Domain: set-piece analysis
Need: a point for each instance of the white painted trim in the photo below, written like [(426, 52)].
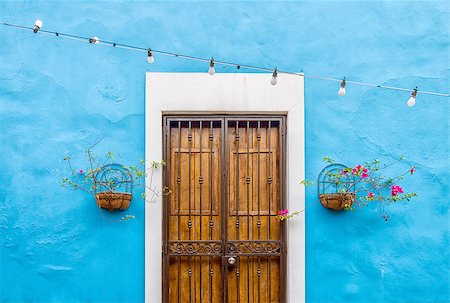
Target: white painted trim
[(227, 93)]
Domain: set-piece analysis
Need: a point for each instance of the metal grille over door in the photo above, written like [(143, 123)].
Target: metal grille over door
[(221, 241)]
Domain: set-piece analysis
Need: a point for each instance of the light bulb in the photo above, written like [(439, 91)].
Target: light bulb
[(211, 69), (412, 100), (274, 79), (94, 40), (150, 57), (342, 90), (37, 25)]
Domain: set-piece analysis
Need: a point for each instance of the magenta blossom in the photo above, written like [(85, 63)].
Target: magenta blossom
[(364, 175), (81, 171), (395, 190), (370, 195), (283, 212), (412, 170)]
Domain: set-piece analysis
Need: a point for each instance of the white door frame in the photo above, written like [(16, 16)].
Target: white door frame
[(227, 93)]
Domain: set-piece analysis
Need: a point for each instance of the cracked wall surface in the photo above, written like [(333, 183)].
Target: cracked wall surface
[(58, 97)]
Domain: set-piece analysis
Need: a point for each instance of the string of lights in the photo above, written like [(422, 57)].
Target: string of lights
[(37, 28)]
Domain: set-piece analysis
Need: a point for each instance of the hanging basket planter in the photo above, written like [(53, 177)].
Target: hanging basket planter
[(336, 191), (114, 185), (113, 201), (337, 201)]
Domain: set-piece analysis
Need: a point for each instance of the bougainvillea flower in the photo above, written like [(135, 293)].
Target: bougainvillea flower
[(344, 172), (81, 171), (412, 170), (395, 190), (370, 195), (365, 170), (364, 175)]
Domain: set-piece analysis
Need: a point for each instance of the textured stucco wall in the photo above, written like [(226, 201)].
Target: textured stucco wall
[(58, 97)]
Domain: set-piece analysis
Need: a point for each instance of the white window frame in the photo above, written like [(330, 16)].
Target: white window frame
[(183, 92)]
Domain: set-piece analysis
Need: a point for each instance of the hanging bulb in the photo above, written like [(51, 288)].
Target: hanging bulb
[(342, 91), (412, 100), (274, 79), (211, 69), (94, 40), (37, 25), (150, 57)]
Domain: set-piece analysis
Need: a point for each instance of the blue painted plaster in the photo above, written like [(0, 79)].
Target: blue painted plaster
[(57, 97)]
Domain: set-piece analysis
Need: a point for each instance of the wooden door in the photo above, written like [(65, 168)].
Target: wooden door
[(226, 175)]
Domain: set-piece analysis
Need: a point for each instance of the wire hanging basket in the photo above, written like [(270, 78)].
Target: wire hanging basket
[(113, 187), (336, 191)]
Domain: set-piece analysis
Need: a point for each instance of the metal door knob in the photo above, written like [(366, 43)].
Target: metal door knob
[(231, 260)]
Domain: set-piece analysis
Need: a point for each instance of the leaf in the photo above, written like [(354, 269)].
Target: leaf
[(328, 160)]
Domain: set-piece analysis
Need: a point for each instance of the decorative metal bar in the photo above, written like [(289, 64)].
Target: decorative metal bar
[(200, 181), (166, 207), (179, 207), (189, 202), (269, 178), (282, 163), (238, 291), (189, 181), (248, 206), (195, 248), (211, 223), (269, 185), (237, 204), (258, 137), (255, 247), (258, 224), (237, 179), (258, 273)]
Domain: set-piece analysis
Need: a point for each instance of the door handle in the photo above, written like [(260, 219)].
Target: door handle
[(229, 261)]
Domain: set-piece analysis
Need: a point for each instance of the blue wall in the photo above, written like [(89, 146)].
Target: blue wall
[(57, 97)]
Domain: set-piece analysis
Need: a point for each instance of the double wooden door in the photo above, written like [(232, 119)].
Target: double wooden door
[(222, 242)]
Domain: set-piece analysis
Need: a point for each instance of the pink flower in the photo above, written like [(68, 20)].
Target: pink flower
[(365, 170), (395, 190), (359, 167), (364, 175), (354, 171), (344, 172), (370, 195), (81, 171), (412, 170)]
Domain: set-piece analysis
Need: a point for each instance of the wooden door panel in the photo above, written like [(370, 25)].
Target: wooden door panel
[(254, 201), (194, 225), (225, 196), (248, 287), (191, 289)]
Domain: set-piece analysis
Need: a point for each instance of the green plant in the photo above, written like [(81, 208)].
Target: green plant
[(369, 184), (283, 214), (107, 176)]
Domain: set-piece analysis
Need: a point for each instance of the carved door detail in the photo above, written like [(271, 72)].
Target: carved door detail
[(221, 240)]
